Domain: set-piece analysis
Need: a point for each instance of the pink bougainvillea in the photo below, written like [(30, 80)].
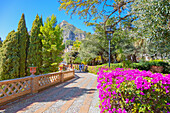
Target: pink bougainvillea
[(123, 90)]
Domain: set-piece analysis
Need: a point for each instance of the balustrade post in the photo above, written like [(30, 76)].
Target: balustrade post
[(61, 76), (34, 85), (73, 73)]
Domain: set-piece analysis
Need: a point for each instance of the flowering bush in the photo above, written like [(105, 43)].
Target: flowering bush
[(76, 66), (95, 69), (126, 91)]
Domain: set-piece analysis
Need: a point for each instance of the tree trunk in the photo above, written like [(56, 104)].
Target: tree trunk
[(102, 59), (93, 62), (134, 58), (129, 57)]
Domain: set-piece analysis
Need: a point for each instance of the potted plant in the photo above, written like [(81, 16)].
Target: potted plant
[(32, 70), (60, 67), (157, 66)]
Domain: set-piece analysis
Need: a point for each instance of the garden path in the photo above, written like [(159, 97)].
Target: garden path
[(78, 95)]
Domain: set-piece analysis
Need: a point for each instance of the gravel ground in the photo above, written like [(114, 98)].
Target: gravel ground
[(59, 95)]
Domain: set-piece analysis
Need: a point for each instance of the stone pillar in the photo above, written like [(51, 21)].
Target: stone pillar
[(61, 76), (34, 84)]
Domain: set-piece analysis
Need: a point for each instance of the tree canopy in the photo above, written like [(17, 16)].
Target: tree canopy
[(95, 11), (9, 59), (153, 25), (52, 44), (23, 45), (35, 45)]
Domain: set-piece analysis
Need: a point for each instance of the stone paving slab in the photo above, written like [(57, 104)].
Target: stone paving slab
[(78, 95)]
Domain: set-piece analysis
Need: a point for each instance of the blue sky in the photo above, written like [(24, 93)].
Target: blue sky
[(11, 11)]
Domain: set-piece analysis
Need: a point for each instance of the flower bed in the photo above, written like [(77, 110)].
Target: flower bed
[(95, 69), (126, 91)]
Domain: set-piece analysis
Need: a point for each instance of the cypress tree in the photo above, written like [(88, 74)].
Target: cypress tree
[(41, 21), (35, 45), (23, 42), (9, 60)]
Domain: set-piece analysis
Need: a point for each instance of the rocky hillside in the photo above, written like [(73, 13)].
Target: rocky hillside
[(70, 32)]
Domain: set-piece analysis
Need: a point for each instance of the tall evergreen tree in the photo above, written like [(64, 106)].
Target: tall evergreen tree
[(41, 21), (9, 60), (52, 44), (35, 45), (23, 42)]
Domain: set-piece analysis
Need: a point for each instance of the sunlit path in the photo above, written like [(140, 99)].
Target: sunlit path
[(78, 95)]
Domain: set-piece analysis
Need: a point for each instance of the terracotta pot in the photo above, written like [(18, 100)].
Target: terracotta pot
[(32, 70), (157, 69), (69, 66), (60, 68)]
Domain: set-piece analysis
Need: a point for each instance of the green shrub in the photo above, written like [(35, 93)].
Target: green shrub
[(147, 65)]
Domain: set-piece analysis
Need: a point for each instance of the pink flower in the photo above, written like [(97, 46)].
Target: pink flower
[(127, 100), (142, 93), (133, 99), (113, 92), (124, 111), (143, 80), (110, 111), (114, 109), (118, 86)]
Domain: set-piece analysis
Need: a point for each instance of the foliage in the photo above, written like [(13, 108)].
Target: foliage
[(141, 66), (0, 42), (52, 45), (77, 60), (133, 91), (35, 46), (100, 43), (124, 45), (95, 69), (76, 45), (147, 65), (9, 60), (67, 57), (23, 42), (88, 49), (69, 42), (153, 25), (96, 11), (76, 66)]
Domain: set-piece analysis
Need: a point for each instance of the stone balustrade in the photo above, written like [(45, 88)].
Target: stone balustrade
[(13, 88)]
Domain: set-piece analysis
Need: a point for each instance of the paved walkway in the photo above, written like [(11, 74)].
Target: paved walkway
[(78, 95)]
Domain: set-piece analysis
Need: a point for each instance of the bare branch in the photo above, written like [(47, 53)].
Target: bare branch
[(122, 4), (121, 20)]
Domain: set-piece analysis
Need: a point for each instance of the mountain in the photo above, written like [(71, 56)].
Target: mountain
[(70, 32)]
